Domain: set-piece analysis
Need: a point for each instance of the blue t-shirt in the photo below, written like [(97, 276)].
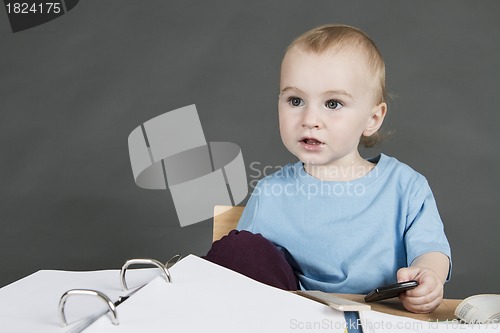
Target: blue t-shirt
[(351, 236)]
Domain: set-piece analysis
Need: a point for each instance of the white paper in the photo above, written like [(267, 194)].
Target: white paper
[(480, 309), (31, 304), (204, 297)]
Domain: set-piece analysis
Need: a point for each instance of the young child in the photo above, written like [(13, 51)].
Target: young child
[(344, 223)]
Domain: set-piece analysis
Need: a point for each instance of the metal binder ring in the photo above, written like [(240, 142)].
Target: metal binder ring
[(69, 293), (172, 261), (142, 262)]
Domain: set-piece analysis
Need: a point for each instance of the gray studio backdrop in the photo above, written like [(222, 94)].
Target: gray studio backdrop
[(73, 89)]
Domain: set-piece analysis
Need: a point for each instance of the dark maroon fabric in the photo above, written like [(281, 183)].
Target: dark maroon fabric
[(254, 256)]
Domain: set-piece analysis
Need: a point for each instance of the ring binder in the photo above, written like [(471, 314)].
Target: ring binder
[(72, 292), (112, 305), (143, 262)]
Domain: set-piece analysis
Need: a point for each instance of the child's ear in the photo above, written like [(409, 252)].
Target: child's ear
[(377, 118)]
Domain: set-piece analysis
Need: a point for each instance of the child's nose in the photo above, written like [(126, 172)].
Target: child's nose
[(311, 118)]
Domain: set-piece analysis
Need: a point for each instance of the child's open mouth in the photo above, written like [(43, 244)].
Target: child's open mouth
[(311, 141), (311, 144)]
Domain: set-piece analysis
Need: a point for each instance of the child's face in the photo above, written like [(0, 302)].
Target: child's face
[(327, 101)]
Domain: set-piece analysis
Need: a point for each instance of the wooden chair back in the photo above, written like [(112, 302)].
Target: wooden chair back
[(225, 219)]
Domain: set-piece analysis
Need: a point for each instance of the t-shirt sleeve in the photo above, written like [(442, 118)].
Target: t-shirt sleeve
[(424, 231)]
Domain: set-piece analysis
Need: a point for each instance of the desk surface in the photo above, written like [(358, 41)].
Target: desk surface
[(393, 306)]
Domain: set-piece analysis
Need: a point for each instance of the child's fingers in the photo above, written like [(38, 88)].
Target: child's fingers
[(407, 273), (422, 304), (424, 293), (425, 287), (427, 284), (427, 296)]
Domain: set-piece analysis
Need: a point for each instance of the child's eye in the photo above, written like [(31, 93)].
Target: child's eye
[(333, 104), (295, 101)]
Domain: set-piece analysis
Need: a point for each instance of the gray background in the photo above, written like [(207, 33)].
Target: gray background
[(74, 88)]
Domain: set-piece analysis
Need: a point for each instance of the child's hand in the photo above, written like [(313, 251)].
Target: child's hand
[(427, 296)]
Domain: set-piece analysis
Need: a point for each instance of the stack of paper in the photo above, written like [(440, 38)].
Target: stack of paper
[(207, 297), (201, 297)]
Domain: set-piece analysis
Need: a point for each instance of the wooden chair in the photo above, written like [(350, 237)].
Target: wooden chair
[(225, 219)]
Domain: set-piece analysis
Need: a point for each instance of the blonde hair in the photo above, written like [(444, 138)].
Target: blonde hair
[(326, 37)]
